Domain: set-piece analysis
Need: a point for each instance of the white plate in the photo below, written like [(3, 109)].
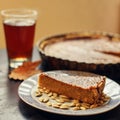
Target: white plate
[(27, 89)]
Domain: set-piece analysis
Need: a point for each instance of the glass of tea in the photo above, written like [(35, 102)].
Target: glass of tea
[(19, 27)]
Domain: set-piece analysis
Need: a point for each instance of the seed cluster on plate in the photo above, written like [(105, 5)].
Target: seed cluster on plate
[(55, 100)]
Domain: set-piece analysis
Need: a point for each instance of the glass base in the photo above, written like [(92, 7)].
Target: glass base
[(14, 63)]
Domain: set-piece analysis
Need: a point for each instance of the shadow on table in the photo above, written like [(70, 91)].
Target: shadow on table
[(34, 114)]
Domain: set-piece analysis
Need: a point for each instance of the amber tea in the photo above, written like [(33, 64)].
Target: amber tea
[(19, 38), (19, 28)]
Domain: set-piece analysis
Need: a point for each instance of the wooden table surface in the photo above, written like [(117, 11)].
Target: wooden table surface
[(13, 108)]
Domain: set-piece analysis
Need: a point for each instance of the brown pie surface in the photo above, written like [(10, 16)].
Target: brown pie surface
[(85, 50)]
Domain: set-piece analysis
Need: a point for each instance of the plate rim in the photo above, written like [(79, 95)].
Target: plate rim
[(55, 111)]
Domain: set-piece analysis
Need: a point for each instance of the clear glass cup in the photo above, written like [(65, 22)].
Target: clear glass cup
[(19, 27)]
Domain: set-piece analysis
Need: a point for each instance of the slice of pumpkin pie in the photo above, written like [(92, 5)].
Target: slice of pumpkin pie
[(83, 86)]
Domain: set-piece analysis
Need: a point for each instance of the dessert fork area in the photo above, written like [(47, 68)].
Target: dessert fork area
[(14, 108)]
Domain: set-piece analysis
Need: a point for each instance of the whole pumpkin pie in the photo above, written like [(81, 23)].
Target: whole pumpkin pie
[(86, 51)]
